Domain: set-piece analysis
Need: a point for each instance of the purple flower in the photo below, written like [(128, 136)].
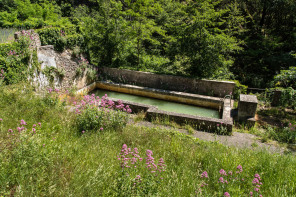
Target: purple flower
[(34, 125), (101, 128), (226, 194), (255, 181), (251, 193), (221, 180), (222, 172), (1, 119), (83, 132), (23, 122), (10, 130), (256, 189), (240, 168), (204, 175), (39, 123), (257, 176)]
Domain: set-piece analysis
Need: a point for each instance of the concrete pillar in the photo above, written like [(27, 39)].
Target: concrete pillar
[(247, 107), (276, 98)]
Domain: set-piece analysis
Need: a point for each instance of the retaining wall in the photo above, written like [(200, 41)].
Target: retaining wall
[(169, 82)]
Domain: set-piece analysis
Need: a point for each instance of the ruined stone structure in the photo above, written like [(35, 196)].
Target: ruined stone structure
[(64, 62), (247, 107)]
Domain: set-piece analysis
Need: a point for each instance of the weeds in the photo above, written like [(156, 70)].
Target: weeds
[(55, 161)]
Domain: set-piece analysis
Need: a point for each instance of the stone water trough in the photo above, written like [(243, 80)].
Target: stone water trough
[(152, 112), (149, 84)]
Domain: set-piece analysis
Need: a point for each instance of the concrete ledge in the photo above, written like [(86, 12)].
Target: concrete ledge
[(180, 97), (219, 126), (87, 89)]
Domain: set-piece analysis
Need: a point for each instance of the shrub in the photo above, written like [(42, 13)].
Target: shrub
[(239, 89), (288, 98), (94, 114), (61, 38), (91, 74), (76, 52), (14, 60), (286, 78), (286, 134)]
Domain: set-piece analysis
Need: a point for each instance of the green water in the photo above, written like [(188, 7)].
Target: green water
[(161, 104)]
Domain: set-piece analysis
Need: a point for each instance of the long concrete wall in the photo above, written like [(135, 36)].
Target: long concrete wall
[(168, 82)]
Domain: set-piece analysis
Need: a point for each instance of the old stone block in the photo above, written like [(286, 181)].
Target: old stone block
[(247, 106)]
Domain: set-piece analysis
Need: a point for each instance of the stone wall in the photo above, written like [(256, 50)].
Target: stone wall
[(168, 82), (62, 61), (47, 56)]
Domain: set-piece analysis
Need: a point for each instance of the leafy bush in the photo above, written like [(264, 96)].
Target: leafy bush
[(288, 98), (94, 114), (286, 134), (91, 74), (61, 38), (28, 14), (14, 60), (286, 78), (239, 89)]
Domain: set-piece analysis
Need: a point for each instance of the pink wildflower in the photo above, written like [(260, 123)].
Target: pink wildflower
[(226, 194), (240, 168), (256, 189), (221, 180), (222, 172), (204, 175), (255, 181)]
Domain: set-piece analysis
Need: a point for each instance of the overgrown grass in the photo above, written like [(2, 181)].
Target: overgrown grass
[(7, 34), (56, 161)]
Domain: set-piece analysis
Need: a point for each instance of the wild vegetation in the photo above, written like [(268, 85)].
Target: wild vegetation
[(43, 154), (52, 146), (250, 41)]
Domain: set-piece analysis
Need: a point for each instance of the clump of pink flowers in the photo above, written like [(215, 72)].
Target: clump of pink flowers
[(226, 179), (257, 184), (130, 159), (102, 104)]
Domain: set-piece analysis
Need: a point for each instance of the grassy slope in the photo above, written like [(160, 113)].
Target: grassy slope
[(57, 161)]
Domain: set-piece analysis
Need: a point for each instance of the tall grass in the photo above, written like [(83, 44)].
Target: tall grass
[(56, 161), (7, 34)]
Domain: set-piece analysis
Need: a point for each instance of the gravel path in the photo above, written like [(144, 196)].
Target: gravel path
[(239, 140)]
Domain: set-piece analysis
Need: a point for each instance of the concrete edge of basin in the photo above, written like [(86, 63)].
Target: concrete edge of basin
[(181, 97), (220, 126)]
